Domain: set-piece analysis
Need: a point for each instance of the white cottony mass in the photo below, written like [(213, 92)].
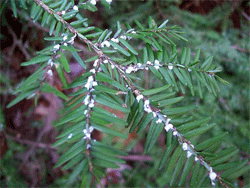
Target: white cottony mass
[(159, 121), (129, 69), (139, 97), (168, 126), (147, 106), (93, 2), (75, 8), (212, 176), (184, 146), (170, 67), (89, 83), (86, 100), (65, 37), (57, 46), (105, 61), (115, 40), (157, 64), (50, 72), (105, 43)]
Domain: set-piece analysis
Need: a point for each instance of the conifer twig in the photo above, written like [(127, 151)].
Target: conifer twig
[(147, 106)]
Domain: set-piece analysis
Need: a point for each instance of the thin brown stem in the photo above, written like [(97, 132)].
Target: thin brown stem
[(28, 142), (136, 158)]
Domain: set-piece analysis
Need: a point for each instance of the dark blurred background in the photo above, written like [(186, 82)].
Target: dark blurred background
[(220, 28)]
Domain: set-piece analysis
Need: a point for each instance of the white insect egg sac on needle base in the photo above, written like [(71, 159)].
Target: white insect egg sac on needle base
[(184, 146), (89, 83), (212, 176), (139, 97), (91, 129), (85, 112), (94, 83), (175, 133), (65, 37), (157, 64), (56, 47), (105, 43), (170, 67), (105, 61), (71, 41), (196, 158), (159, 121), (75, 8), (92, 103), (87, 134), (50, 73), (147, 107), (92, 70), (88, 146), (95, 63), (86, 100), (115, 40), (50, 62), (129, 69), (93, 2), (168, 126), (123, 37)]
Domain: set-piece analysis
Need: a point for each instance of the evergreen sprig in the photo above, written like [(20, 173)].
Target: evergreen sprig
[(109, 82)]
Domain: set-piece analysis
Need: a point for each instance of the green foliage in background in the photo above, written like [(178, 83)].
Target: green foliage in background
[(186, 100)]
